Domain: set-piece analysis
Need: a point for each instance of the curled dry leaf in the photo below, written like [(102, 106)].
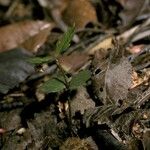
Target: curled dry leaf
[(137, 80), (17, 33), (80, 13)]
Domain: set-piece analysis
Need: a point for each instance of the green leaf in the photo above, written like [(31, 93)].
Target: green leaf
[(64, 42), (40, 60), (80, 79), (52, 85), (60, 77)]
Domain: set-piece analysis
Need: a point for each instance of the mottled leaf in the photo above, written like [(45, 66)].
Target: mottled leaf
[(80, 79)]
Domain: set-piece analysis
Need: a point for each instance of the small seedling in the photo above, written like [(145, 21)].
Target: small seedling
[(61, 82)]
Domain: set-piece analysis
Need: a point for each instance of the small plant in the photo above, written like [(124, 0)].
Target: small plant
[(61, 82)]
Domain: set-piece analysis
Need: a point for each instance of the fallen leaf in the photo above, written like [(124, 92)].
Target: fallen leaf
[(14, 68), (100, 44), (33, 43), (73, 62), (17, 33), (79, 13), (118, 80)]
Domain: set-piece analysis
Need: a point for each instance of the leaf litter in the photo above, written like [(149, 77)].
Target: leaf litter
[(92, 84)]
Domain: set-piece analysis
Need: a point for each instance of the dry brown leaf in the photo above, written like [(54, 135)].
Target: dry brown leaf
[(80, 13), (36, 41), (100, 44), (17, 33), (73, 62)]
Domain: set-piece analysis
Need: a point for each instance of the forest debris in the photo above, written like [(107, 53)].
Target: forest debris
[(80, 13), (17, 33), (100, 44), (55, 9), (33, 43), (5, 2), (145, 139), (118, 123), (12, 121), (45, 130), (14, 68), (21, 131), (24, 141), (127, 34), (140, 80), (111, 80), (137, 130), (136, 49), (2, 130), (135, 33), (131, 9), (54, 4), (18, 10), (81, 102), (73, 62), (118, 80), (104, 135), (75, 143)]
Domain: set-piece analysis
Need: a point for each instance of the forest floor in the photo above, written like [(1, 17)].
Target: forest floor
[(75, 75)]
